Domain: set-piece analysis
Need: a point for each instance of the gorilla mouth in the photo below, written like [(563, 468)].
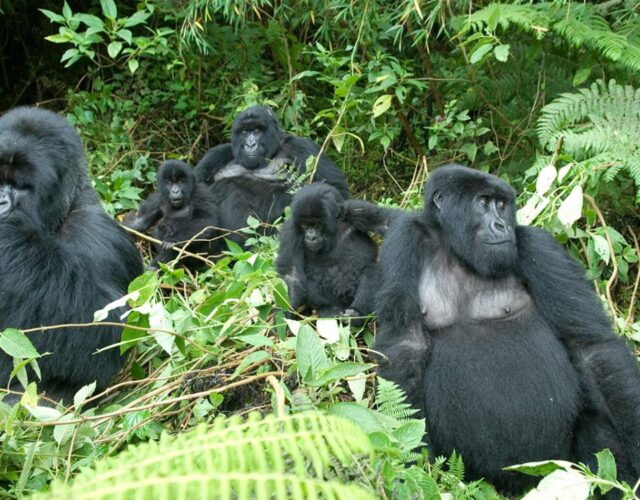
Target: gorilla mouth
[(499, 242), (176, 202), (313, 246)]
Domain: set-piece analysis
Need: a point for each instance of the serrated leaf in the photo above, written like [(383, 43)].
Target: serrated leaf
[(382, 104), (601, 247), (114, 49), (337, 372), (109, 9), (66, 11), (571, 208), (62, 433), (581, 76), (133, 65), (545, 179), (480, 52), (84, 393), (310, 352), (565, 484), (606, 465), (470, 149), (56, 18), (17, 345), (502, 52), (44, 413), (328, 329)]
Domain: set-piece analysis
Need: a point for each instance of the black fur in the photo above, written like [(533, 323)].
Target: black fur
[(327, 264), (61, 257), (260, 185), (187, 210), (504, 347)]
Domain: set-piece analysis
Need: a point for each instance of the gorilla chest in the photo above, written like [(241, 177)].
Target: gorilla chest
[(450, 294)]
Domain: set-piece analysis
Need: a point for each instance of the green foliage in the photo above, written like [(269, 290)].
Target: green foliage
[(599, 127), (294, 457), (390, 90), (564, 479)]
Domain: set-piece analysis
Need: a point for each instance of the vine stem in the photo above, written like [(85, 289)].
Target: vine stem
[(614, 275)]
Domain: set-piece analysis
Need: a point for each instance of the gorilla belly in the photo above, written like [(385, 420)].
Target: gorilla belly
[(500, 392)]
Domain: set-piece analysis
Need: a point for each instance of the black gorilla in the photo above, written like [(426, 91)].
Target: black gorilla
[(498, 338), (255, 173), (327, 264), (188, 211), (61, 257)]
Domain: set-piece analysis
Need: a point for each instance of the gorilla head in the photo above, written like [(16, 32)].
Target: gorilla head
[(176, 182), (476, 214), (316, 210), (42, 167), (256, 135)]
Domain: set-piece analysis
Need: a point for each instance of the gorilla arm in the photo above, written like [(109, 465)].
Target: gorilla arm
[(299, 149), (147, 215), (290, 264), (212, 162), (570, 306), (401, 338), (367, 217)]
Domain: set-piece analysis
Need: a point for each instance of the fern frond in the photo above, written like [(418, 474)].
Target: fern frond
[(581, 25), (391, 401), (270, 458), (599, 126), (526, 17)]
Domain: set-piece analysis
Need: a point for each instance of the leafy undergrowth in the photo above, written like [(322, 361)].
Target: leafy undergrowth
[(204, 351)]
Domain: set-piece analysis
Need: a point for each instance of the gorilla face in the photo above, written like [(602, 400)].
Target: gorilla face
[(477, 216), (317, 209), (176, 182), (42, 167), (256, 136)]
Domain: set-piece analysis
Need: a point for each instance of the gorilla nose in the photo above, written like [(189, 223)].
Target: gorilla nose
[(497, 227)]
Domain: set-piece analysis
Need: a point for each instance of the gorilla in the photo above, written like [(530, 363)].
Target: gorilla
[(327, 264), (497, 337), (188, 210), (61, 257), (255, 173)]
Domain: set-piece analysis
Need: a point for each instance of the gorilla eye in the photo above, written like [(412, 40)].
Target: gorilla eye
[(483, 201), (501, 204)]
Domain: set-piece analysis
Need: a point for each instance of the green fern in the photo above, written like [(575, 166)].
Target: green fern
[(391, 401), (581, 25), (255, 459), (599, 126)]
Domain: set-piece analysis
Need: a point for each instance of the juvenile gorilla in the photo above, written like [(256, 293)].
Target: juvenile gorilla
[(61, 257), (255, 173), (187, 210), (495, 334), (327, 264)]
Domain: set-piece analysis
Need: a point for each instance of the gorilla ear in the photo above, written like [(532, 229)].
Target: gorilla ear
[(437, 199)]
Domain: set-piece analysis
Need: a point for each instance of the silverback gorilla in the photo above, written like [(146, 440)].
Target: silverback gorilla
[(495, 334), (61, 257), (328, 265), (255, 173)]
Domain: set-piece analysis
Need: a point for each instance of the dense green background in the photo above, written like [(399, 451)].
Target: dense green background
[(543, 94)]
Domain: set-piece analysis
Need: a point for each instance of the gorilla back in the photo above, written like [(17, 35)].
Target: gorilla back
[(61, 257)]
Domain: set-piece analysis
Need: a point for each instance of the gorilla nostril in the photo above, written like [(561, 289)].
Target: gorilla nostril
[(498, 227)]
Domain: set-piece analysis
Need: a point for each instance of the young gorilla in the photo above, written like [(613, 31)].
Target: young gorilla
[(187, 210), (495, 334), (61, 257), (327, 264)]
